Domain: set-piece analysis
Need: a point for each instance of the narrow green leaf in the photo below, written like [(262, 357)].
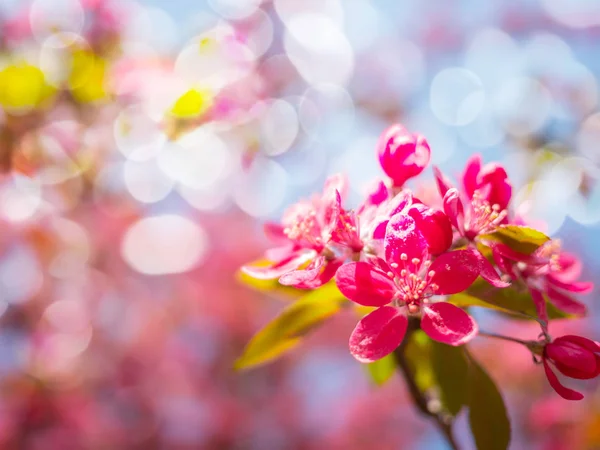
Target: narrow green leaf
[(287, 329), (520, 239), (381, 370), (487, 414), (451, 372), (515, 298)]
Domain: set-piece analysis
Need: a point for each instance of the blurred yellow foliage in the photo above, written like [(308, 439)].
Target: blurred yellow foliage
[(192, 104), (87, 80), (23, 87)]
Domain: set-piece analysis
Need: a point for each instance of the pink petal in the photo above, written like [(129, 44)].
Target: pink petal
[(454, 271), (274, 231), (509, 253), (435, 227), (579, 340), (323, 277), (378, 194), (447, 323), (330, 213), (378, 334), (364, 284), (488, 271), (580, 287), (453, 207), (280, 253), (564, 392), (442, 182), (337, 182), (574, 373), (280, 267), (565, 303), (540, 304), (299, 276), (403, 238), (399, 202), (570, 267), (503, 263), (472, 169), (572, 356), (494, 180)]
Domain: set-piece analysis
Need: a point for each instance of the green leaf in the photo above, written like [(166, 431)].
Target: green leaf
[(272, 287), (487, 414), (418, 356), (382, 370), (451, 372), (515, 298), (520, 239), (287, 329)]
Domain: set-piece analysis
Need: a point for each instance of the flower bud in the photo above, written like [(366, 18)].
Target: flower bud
[(574, 356), (491, 181), (402, 155)]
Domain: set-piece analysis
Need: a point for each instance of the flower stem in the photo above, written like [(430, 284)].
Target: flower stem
[(500, 336), (420, 400)]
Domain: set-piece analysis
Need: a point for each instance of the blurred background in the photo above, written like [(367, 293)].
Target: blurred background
[(142, 146)]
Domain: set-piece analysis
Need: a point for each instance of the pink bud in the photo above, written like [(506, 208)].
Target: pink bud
[(402, 155), (491, 181), (574, 356)]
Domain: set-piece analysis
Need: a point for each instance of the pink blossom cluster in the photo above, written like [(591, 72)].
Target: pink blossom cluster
[(405, 258)]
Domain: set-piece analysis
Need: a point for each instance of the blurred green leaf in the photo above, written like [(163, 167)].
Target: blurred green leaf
[(269, 286), (382, 370), (451, 372), (285, 331), (418, 356), (487, 414), (515, 298), (520, 239)]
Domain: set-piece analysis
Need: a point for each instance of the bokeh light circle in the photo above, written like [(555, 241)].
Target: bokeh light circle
[(456, 96), (164, 244)]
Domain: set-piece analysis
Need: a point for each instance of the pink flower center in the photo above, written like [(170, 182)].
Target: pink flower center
[(302, 226), (551, 251), (413, 283), (484, 217)]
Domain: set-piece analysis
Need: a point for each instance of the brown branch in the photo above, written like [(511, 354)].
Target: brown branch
[(442, 421)]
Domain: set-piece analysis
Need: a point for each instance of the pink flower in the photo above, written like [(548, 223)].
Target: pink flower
[(404, 284), (486, 195), (547, 272), (316, 231), (402, 155), (573, 356), (379, 207)]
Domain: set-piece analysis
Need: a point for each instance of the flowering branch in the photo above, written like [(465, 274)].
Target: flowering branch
[(418, 264), (505, 338)]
